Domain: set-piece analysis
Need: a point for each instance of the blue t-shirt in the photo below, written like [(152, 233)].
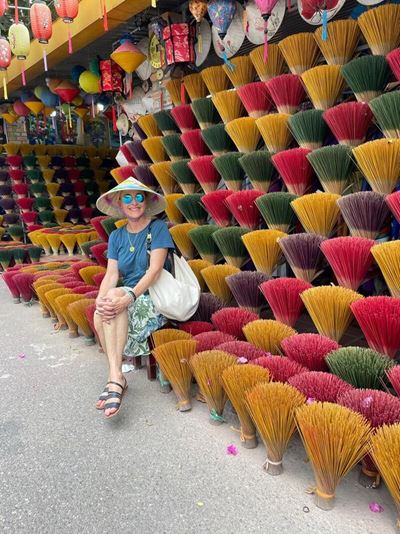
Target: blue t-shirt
[(133, 265)]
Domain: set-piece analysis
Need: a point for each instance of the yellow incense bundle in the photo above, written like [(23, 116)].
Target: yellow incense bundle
[(215, 276), (264, 250), (387, 256), (197, 266), (275, 131), (244, 133), (300, 51), (317, 212), (165, 177), (155, 149), (380, 28), (228, 105), (271, 68), (195, 86), (324, 85), (243, 71), (180, 235), (149, 125), (267, 334), (342, 43)]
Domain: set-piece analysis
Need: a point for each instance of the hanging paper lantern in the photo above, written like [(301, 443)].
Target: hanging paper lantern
[(111, 76), (39, 90), (26, 95), (89, 82), (198, 8), (128, 56), (20, 109), (41, 23), (77, 101), (49, 99), (5, 54), (20, 42), (66, 91), (3, 7), (266, 7), (221, 13), (10, 119), (47, 111), (81, 112), (310, 7), (76, 72), (53, 83), (34, 105), (67, 9)]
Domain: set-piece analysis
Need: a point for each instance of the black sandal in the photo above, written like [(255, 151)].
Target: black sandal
[(115, 395), (103, 397)]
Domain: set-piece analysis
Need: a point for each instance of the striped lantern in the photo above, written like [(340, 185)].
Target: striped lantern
[(41, 23)]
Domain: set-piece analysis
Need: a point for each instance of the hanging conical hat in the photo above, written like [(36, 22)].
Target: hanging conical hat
[(128, 57)]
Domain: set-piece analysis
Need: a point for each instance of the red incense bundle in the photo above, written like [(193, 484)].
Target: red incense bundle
[(99, 252), (196, 327), (287, 92), (232, 320), (309, 350), (243, 207), (319, 386), (283, 296), (184, 118), (393, 201), (194, 144), (393, 58), (281, 368), (243, 350), (394, 377), (96, 223), (205, 172), (209, 340), (256, 99), (295, 169), (214, 203), (349, 122)]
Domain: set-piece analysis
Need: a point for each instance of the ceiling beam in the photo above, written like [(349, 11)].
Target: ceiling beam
[(86, 28)]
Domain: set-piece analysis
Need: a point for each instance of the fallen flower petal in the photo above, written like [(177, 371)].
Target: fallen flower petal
[(375, 507), (231, 450)]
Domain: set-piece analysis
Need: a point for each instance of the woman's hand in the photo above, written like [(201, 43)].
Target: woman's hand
[(112, 308)]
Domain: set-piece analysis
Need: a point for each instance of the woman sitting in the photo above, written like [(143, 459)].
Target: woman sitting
[(125, 316)]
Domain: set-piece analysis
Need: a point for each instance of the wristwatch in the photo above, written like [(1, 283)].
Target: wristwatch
[(132, 294)]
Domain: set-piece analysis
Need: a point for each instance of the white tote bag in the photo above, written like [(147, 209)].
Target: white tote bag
[(176, 297)]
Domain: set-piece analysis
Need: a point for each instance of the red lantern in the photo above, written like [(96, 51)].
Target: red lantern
[(66, 91), (67, 9), (41, 23), (111, 76), (20, 109), (3, 7)]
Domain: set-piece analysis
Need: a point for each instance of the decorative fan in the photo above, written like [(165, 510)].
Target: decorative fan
[(317, 12), (123, 124), (254, 23), (370, 2), (234, 38), (144, 70), (203, 42)]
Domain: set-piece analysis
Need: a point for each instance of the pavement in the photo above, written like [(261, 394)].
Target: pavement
[(151, 470)]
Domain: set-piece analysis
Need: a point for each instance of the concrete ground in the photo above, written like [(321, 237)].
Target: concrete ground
[(65, 469)]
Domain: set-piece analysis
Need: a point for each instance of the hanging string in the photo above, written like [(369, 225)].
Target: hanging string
[(69, 41), (69, 116), (266, 17), (23, 73), (324, 25), (45, 60), (105, 16), (289, 5), (153, 3), (114, 118), (16, 16), (93, 110), (5, 87)]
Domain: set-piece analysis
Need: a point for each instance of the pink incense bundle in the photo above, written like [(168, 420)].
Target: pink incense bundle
[(281, 368), (243, 207), (196, 327), (283, 296), (98, 278), (80, 265), (379, 319), (232, 320), (243, 350), (350, 259), (17, 176), (309, 350), (87, 214), (320, 386), (394, 377), (215, 204), (349, 122), (256, 99), (70, 285), (99, 252), (205, 172), (83, 289), (25, 204), (194, 144), (393, 201), (184, 118), (209, 340), (287, 92), (29, 217), (21, 190), (24, 282), (295, 169), (8, 277), (393, 58), (96, 223)]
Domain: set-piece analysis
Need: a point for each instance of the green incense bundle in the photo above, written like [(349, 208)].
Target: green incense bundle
[(259, 169), (276, 210), (165, 122), (360, 367), (39, 190), (386, 109), (19, 255), (202, 240), (34, 176), (42, 203), (231, 171), (46, 216), (109, 224), (367, 76), (16, 231), (29, 161), (192, 209), (229, 241), (6, 256), (184, 176), (205, 112), (34, 253), (174, 147), (333, 166), (309, 128), (217, 140), (85, 247)]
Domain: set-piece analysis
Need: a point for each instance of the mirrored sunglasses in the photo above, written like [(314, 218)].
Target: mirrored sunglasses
[(127, 198)]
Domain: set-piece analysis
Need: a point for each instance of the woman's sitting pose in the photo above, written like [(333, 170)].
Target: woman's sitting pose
[(125, 316)]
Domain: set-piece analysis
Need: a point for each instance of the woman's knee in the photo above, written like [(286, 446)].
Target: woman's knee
[(115, 292)]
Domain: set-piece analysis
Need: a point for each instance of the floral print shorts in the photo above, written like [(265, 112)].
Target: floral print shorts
[(143, 320)]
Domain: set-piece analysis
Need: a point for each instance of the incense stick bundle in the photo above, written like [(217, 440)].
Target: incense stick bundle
[(346, 436), (318, 212), (309, 350), (275, 131), (148, 124), (386, 109), (287, 92), (259, 169), (365, 213), (205, 112), (232, 320), (295, 170), (243, 71), (214, 203), (155, 149), (230, 170), (245, 289), (165, 122), (205, 172), (300, 52), (182, 173), (393, 58), (180, 235), (393, 201), (283, 296), (229, 105), (271, 68), (277, 211), (244, 133), (343, 39), (203, 241), (164, 176), (195, 86), (333, 166), (242, 206), (309, 128), (184, 118), (387, 256), (77, 312), (319, 386), (215, 278), (256, 99), (197, 266), (281, 368), (329, 309), (380, 28), (303, 254), (379, 161), (173, 213), (192, 209), (174, 89), (324, 85), (218, 140), (174, 147), (237, 380), (229, 242), (367, 76), (267, 334), (264, 250), (272, 408), (216, 79), (194, 143)]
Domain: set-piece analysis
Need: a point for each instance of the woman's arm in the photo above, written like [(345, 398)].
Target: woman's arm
[(157, 261), (111, 278)]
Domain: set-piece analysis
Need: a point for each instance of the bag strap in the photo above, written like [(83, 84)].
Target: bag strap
[(170, 254)]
